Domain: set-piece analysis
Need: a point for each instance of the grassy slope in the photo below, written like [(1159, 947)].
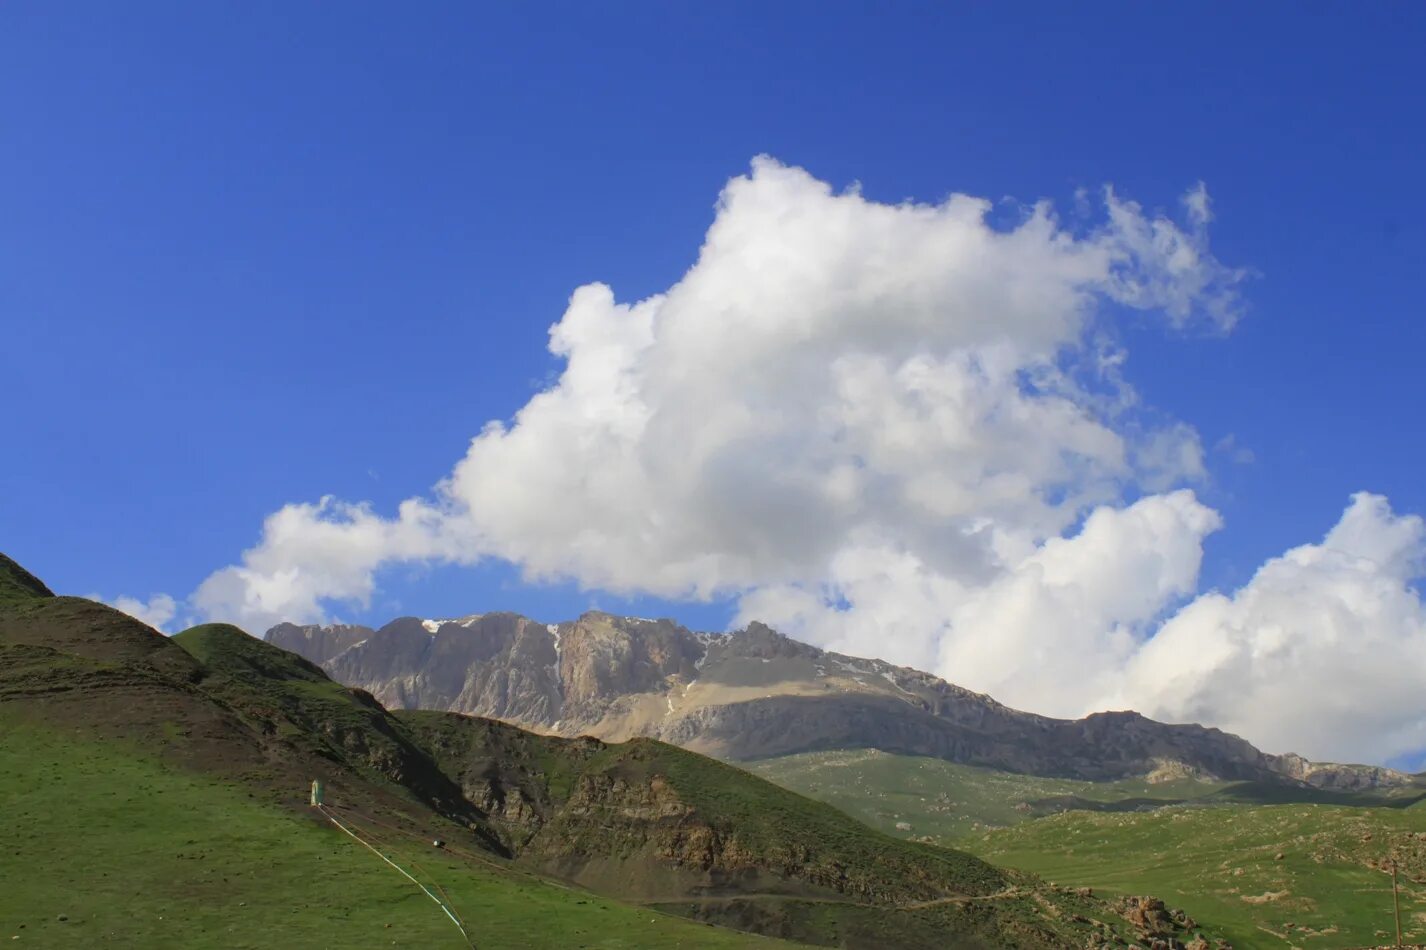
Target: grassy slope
[(941, 800), (143, 793), (1216, 859), (18, 584), (138, 853), (281, 691), (1221, 864)]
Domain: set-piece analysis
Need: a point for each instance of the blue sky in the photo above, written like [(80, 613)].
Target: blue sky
[(257, 254)]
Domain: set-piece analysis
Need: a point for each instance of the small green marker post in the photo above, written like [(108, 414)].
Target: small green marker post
[(316, 792)]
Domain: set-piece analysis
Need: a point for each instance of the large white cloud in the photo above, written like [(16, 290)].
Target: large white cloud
[(830, 367), (833, 368), (1322, 652), (894, 429)]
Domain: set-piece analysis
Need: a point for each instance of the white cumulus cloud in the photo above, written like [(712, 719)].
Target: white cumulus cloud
[(158, 611), (1322, 652), (311, 554), (893, 429), (835, 373), (832, 372)]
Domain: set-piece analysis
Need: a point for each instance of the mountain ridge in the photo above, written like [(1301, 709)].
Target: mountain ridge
[(755, 693)]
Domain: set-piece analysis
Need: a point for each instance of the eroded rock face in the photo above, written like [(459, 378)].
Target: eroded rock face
[(499, 665), (315, 642), (514, 811), (604, 659), (755, 693), (1342, 777)]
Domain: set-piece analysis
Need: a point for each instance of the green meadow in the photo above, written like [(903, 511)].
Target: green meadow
[(941, 800), (106, 846), (1267, 871), (1266, 875)]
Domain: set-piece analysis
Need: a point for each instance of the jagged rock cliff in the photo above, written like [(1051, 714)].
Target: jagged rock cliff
[(755, 693), (317, 643)]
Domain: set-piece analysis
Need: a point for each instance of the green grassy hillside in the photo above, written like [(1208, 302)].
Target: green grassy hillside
[(944, 801), (281, 694), (1215, 855), (153, 794), (18, 584), (1270, 875), (133, 852)]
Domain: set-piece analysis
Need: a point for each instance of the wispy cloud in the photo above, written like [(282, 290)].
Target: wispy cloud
[(1230, 448)]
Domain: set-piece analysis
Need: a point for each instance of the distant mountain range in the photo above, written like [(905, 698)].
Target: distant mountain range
[(756, 694)]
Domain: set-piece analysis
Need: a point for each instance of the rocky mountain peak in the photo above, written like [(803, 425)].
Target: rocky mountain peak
[(318, 643), (760, 641)]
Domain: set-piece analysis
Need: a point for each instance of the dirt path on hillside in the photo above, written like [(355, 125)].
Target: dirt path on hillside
[(1006, 894), (706, 901)]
